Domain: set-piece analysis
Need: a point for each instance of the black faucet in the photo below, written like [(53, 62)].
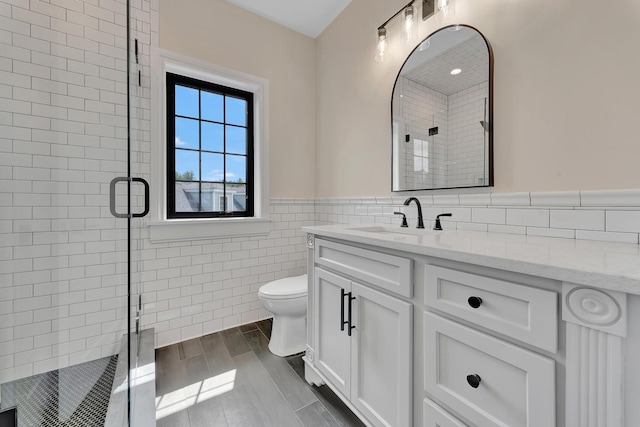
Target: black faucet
[(404, 219), (438, 226), (413, 199)]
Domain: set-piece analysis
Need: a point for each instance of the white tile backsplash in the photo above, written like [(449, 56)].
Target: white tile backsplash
[(510, 199), (610, 198), (555, 199), (577, 219), (475, 199), (624, 221), (563, 215), (489, 215), (531, 217)]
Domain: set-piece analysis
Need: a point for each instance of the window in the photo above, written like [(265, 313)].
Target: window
[(420, 156), (209, 149)]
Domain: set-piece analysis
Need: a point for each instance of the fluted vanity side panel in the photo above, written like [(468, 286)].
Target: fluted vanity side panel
[(596, 330), (594, 378)]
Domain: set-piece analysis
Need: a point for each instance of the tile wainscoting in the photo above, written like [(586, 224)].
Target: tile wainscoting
[(198, 287), (612, 216)]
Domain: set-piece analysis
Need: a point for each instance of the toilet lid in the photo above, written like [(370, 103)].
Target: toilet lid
[(289, 287)]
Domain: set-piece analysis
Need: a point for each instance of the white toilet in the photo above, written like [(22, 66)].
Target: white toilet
[(287, 300)]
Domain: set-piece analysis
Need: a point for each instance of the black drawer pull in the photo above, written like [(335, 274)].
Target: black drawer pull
[(474, 380), (475, 302)]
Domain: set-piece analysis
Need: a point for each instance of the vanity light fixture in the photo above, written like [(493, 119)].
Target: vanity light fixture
[(456, 71), (409, 31), (382, 48), (444, 9), (409, 27)]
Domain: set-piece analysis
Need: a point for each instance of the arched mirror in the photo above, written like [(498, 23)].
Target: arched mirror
[(441, 113)]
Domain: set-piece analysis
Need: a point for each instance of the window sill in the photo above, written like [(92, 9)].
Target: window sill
[(179, 230)]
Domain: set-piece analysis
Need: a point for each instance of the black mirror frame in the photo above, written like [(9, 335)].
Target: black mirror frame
[(491, 100)]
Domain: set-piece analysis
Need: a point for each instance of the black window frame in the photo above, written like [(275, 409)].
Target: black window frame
[(175, 79)]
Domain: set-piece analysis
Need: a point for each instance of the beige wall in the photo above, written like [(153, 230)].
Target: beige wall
[(567, 95), (222, 34)]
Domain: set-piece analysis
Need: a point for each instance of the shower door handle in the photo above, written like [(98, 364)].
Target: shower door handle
[(112, 197)]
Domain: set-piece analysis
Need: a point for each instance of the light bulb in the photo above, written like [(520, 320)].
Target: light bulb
[(446, 10), (409, 28), (382, 48)]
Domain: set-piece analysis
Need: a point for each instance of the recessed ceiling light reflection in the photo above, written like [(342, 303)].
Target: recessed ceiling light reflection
[(425, 44), (456, 71)]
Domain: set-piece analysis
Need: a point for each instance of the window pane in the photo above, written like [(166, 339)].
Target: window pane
[(187, 197), (187, 133), (236, 140), (212, 167), (187, 165), (236, 168), (212, 106), (186, 101), (212, 137), (236, 197), (236, 111), (212, 200)]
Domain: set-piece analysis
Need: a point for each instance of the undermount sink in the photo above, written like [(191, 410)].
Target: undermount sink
[(394, 230)]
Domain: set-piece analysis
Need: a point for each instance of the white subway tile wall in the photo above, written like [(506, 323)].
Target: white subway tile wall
[(563, 215), (199, 287), (63, 124)]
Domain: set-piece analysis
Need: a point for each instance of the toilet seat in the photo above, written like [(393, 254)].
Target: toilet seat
[(287, 288)]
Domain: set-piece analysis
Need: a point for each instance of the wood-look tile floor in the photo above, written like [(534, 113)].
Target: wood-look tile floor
[(230, 378)]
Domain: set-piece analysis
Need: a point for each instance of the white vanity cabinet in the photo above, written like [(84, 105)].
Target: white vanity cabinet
[(485, 378), (363, 335), (447, 336)]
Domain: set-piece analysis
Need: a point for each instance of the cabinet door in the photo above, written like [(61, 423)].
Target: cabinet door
[(381, 362), (332, 345)]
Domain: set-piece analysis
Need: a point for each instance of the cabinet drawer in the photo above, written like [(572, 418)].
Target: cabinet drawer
[(434, 416), (522, 312), (385, 271), (515, 387)]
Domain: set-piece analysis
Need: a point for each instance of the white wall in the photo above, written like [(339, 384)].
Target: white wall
[(565, 95)]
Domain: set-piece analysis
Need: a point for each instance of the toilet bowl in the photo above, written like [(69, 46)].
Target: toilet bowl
[(287, 300)]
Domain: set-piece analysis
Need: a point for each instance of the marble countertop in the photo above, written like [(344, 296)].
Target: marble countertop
[(604, 265)]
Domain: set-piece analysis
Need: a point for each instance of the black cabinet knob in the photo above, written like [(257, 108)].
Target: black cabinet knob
[(473, 380), (475, 302)]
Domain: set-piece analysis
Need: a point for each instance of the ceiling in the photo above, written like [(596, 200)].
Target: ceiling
[(309, 17), (464, 49)]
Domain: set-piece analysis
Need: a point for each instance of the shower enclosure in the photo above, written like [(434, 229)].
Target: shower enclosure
[(74, 156), (446, 149)]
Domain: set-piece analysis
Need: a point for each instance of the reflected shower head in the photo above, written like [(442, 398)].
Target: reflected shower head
[(485, 125)]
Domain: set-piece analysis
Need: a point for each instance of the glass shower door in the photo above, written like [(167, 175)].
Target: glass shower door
[(73, 117)]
